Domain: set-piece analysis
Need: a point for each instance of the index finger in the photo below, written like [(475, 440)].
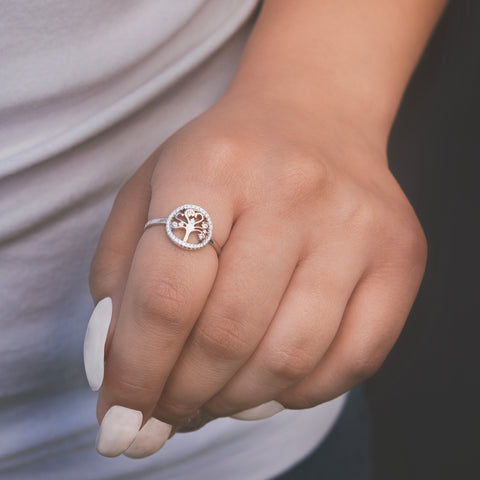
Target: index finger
[(166, 290)]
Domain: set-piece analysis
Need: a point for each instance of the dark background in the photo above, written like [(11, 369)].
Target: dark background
[(425, 400)]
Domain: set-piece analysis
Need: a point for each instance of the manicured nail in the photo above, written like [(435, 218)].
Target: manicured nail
[(149, 439), (118, 430), (94, 344), (262, 411)]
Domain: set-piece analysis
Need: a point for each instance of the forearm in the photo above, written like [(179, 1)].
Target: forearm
[(345, 60)]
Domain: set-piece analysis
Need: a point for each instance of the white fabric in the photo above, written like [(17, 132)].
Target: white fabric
[(87, 90)]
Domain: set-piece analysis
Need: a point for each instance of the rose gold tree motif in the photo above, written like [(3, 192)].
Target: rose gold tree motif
[(191, 219)]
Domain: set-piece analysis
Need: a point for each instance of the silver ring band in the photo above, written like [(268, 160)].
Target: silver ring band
[(193, 220)]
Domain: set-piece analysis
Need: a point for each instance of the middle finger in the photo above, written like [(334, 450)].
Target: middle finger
[(254, 270)]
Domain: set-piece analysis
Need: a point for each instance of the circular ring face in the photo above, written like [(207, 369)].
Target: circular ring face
[(189, 220)]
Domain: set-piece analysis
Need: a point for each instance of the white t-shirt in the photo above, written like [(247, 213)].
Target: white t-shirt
[(87, 90)]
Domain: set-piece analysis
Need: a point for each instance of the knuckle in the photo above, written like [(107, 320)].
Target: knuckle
[(289, 365), (363, 366), (414, 244), (163, 299), (222, 338), (221, 146), (219, 154), (407, 241), (362, 211), (307, 173)]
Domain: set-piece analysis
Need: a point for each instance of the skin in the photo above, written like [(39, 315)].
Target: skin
[(322, 254)]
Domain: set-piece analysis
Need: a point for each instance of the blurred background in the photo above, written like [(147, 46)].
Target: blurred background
[(425, 400)]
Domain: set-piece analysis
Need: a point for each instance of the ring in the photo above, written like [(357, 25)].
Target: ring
[(193, 220)]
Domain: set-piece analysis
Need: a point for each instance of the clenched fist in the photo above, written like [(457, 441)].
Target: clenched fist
[(321, 258)]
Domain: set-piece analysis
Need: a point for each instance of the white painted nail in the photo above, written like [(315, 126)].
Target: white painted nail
[(262, 411), (118, 430), (94, 344), (149, 439)]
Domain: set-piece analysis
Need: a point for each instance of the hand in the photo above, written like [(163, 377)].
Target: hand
[(322, 256)]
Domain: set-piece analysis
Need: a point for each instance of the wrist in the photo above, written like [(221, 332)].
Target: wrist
[(322, 107), (331, 131), (348, 62)]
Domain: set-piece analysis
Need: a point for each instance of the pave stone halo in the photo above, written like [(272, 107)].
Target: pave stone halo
[(193, 220), (185, 223)]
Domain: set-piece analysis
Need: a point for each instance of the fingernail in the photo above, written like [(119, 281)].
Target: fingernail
[(94, 344), (262, 411), (118, 430), (149, 439)]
